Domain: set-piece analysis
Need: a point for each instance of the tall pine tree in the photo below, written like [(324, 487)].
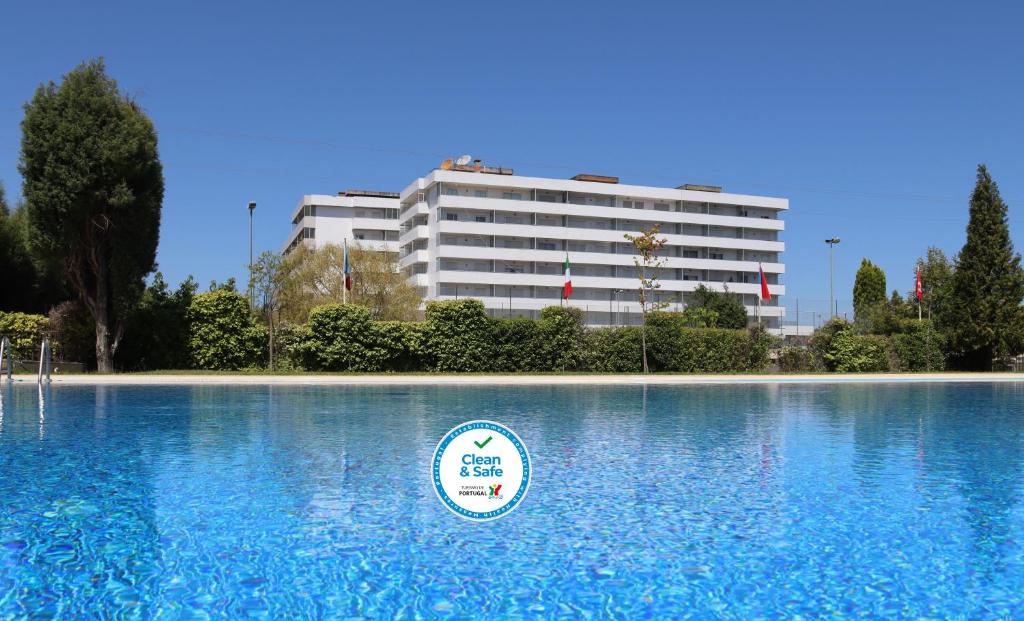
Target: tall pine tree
[(987, 286)]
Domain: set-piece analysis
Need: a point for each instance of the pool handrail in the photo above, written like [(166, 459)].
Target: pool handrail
[(5, 352), (44, 361)]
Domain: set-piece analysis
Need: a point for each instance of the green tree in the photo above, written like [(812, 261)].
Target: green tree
[(987, 285), (267, 279), (93, 187), (647, 264), (868, 290), (726, 310), (315, 276), (157, 332), (936, 283), (28, 285)]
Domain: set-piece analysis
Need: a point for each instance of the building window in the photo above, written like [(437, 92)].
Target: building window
[(481, 218), (690, 254), (717, 256), (309, 232), (661, 206), (546, 246), (451, 216), (512, 196), (452, 192), (480, 193)]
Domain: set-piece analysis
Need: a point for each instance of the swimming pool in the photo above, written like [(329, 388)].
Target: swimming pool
[(874, 500)]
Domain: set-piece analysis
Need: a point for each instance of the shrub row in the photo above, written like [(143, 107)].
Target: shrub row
[(837, 347), (458, 336)]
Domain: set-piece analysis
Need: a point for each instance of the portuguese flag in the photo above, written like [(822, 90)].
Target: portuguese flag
[(567, 287)]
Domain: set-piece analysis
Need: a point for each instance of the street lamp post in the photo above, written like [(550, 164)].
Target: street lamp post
[(831, 277), (252, 290)]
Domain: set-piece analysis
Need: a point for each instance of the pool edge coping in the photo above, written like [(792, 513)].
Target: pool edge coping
[(506, 380)]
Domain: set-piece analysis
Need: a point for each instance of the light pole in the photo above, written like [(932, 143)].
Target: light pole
[(252, 290), (831, 277)]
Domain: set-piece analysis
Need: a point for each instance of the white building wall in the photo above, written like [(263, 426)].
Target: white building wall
[(471, 234)]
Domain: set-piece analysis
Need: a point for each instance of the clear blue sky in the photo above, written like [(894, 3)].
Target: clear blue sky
[(869, 117)]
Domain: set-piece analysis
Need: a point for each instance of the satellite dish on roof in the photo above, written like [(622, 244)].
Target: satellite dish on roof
[(465, 159)]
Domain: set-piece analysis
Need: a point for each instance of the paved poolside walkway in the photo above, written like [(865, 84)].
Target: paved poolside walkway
[(536, 380)]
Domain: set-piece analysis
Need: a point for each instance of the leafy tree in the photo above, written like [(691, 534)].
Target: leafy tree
[(728, 310), (27, 285), (315, 276), (936, 283), (157, 332), (230, 285), (267, 280), (93, 187), (987, 285), (647, 263), (868, 289)]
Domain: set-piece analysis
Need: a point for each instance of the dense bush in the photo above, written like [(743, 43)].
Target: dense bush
[(560, 339), (798, 360), (516, 345), (402, 345), (856, 353), (157, 332), (222, 333), (919, 349), (24, 331), (458, 336), (341, 337), (288, 340), (344, 337), (613, 350), (714, 350), (821, 340)]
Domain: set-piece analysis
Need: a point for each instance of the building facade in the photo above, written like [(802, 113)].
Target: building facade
[(364, 217), (486, 233)]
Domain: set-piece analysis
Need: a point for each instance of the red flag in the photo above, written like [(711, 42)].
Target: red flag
[(765, 294), (918, 290)]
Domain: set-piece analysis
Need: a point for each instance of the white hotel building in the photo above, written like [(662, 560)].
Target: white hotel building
[(483, 232)]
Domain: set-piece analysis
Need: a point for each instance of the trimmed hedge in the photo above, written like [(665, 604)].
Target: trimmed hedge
[(457, 336), (921, 349), (613, 350), (222, 333), (25, 332), (856, 353)]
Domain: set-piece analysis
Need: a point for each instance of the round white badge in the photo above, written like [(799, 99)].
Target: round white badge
[(481, 470)]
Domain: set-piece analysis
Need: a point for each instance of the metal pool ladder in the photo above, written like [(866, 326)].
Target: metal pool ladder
[(44, 361), (5, 352)]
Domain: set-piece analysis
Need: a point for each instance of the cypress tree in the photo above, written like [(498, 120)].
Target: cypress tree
[(988, 284), (93, 189)]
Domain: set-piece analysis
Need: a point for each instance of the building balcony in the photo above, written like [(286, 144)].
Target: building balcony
[(601, 235), (416, 232), (618, 213), (455, 251)]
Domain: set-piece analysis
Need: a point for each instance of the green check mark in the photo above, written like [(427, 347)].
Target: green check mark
[(484, 443)]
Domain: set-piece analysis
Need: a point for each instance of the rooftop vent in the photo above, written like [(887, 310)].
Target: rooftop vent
[(700, 188), (369, 193), (595, 178)]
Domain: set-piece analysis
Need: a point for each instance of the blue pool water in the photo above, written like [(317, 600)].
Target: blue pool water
[(734, 502)]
